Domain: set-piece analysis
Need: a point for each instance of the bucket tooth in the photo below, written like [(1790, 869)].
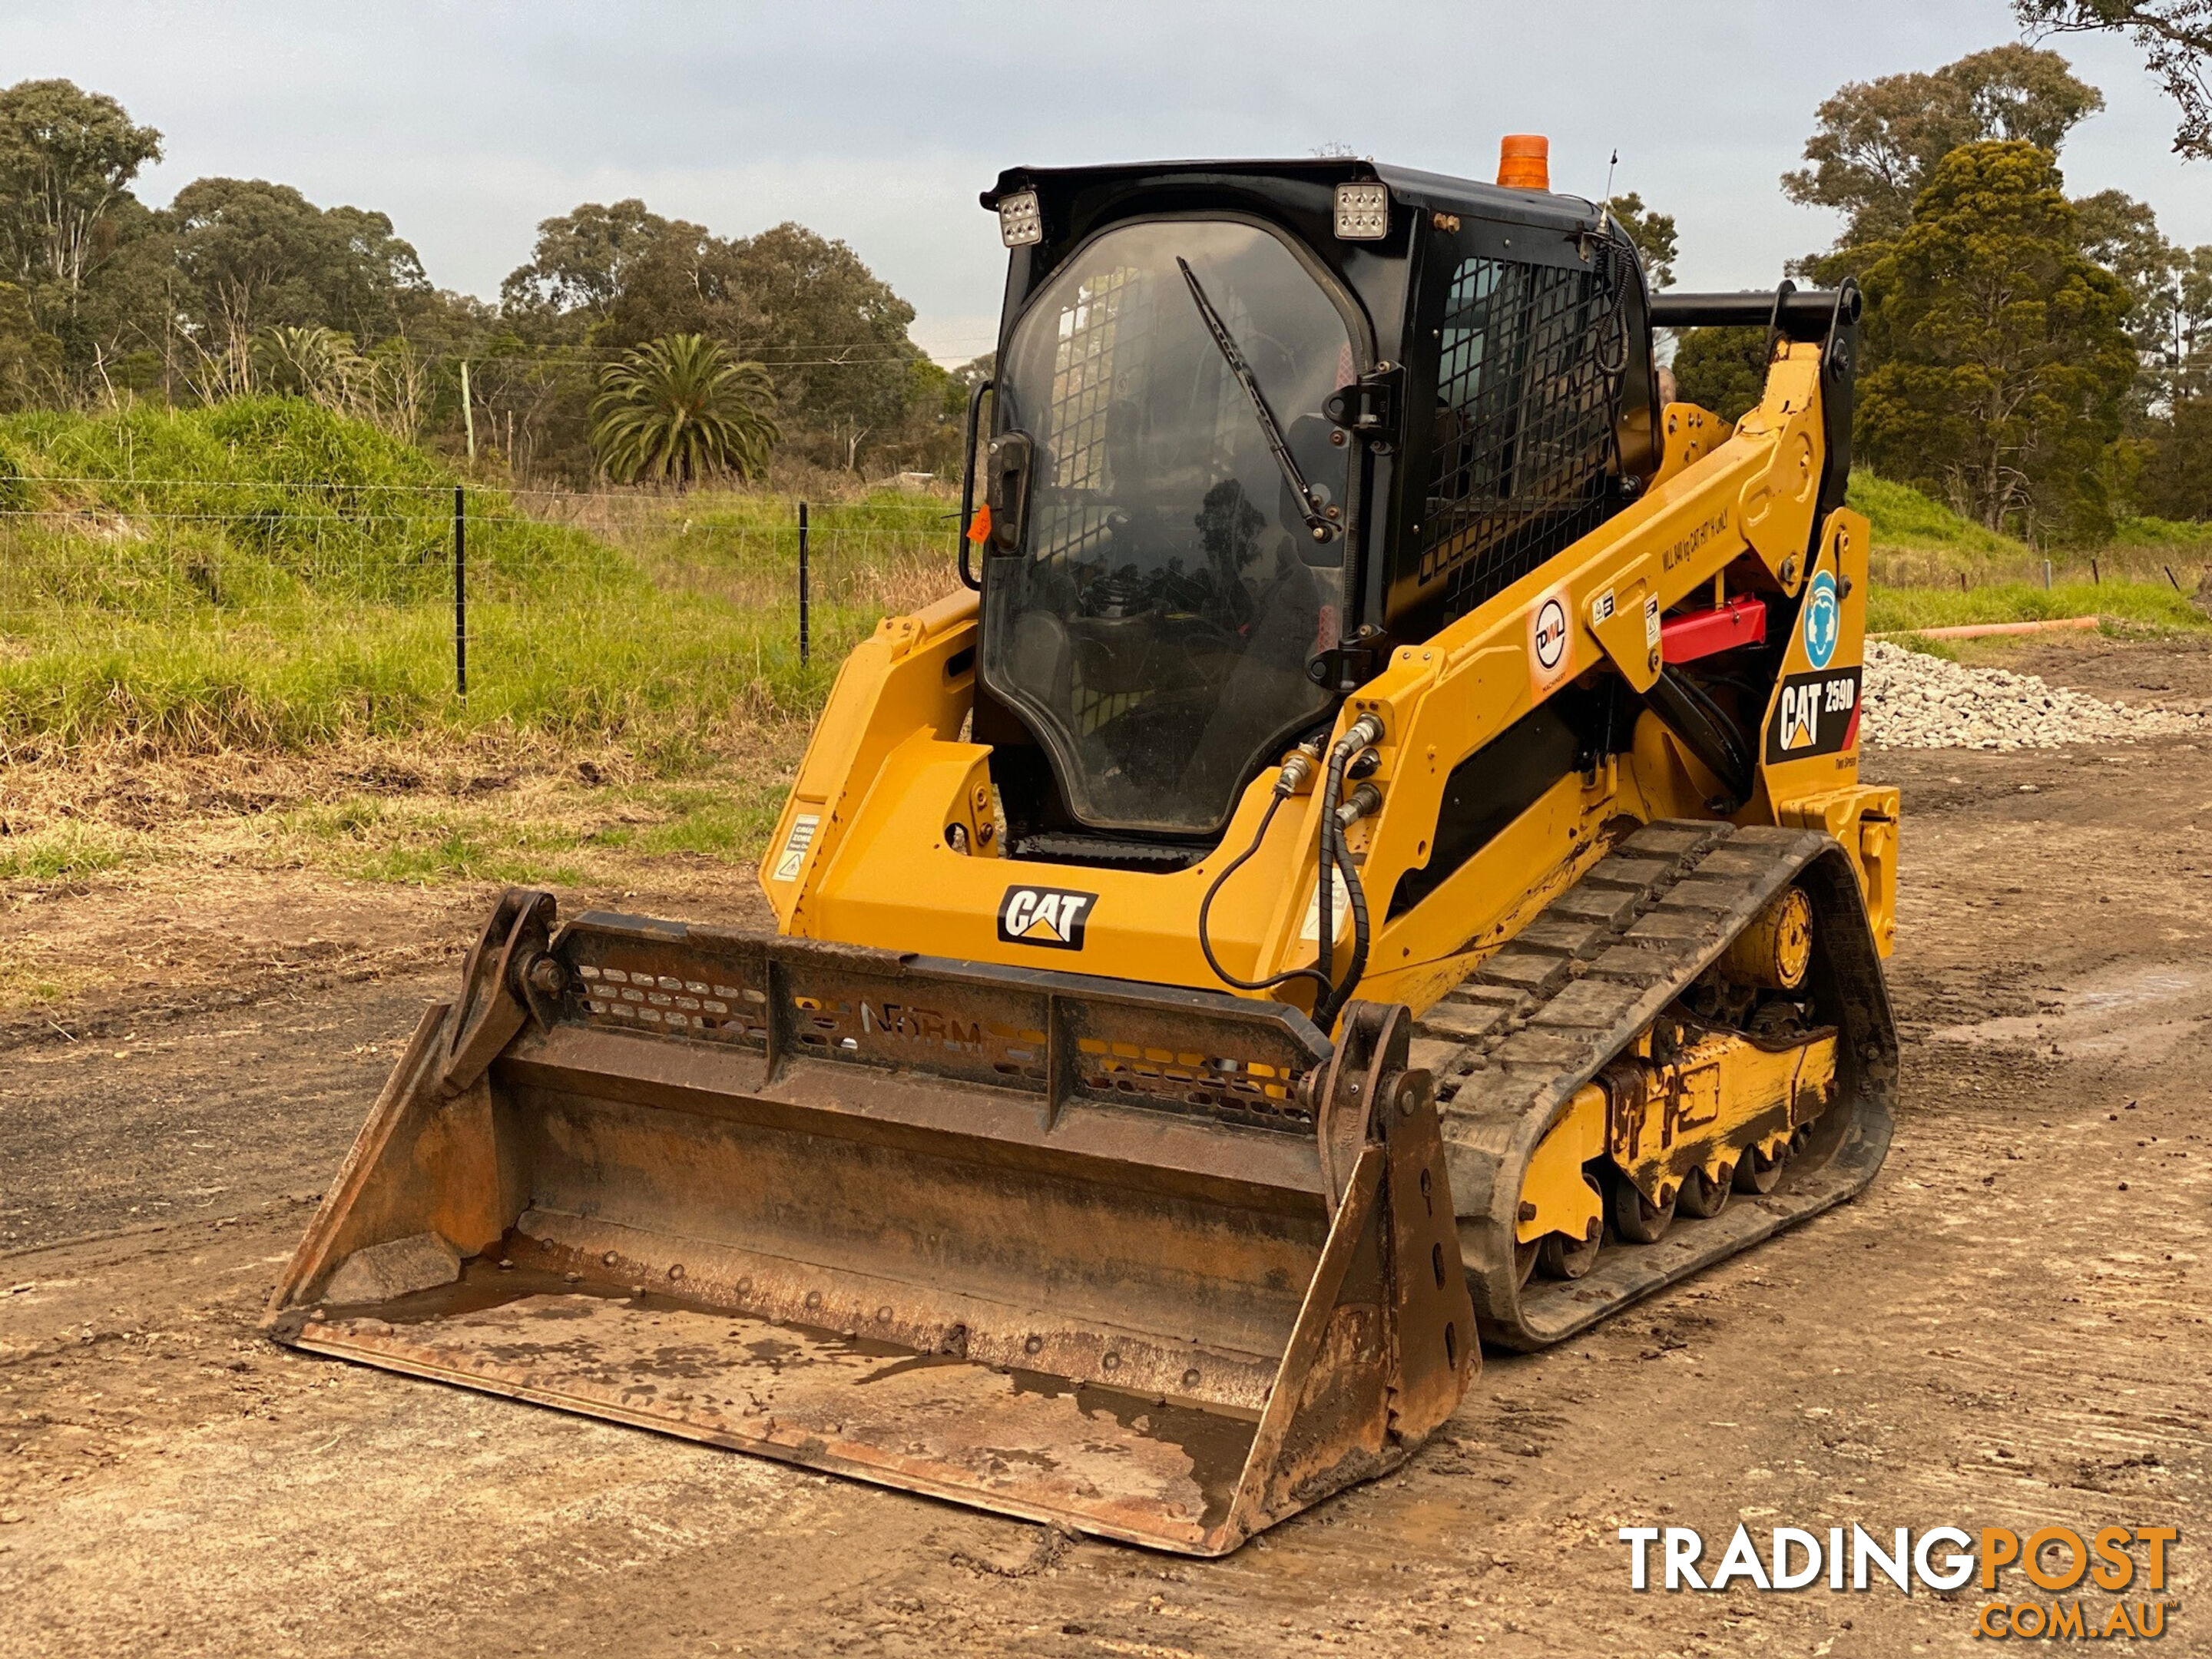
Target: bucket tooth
[(1156, 1265)]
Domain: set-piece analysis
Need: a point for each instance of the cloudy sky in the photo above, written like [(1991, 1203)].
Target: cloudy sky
[(879, 122)]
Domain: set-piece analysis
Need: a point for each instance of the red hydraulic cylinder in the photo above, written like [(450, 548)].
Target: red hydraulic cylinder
[(1708, 632)]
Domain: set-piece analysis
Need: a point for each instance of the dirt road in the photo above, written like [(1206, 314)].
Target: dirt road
[(2014, 1328)]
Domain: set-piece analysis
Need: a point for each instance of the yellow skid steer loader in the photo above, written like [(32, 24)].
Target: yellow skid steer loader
[(1368, 862)]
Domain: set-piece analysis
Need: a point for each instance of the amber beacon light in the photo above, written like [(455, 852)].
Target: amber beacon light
[(1524, 162)]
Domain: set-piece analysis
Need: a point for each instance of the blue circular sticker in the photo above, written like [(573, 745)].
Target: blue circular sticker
[(1824, 620)]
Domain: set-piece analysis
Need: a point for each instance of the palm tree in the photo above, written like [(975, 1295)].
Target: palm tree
[(305, 363), (677, 410)]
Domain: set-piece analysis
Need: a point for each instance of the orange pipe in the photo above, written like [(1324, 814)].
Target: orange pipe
[(1981, 630)]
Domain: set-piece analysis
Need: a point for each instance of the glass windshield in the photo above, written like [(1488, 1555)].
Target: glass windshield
[(1156, 629)]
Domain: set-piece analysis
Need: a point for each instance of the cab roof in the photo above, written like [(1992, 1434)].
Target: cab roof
[(1430, 191)]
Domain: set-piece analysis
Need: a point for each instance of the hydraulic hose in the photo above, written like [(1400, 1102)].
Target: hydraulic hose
[(1336, 856), (1295, 772), (1340, 857)]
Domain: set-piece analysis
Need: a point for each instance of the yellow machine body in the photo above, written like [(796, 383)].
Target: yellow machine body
[(864, 852)]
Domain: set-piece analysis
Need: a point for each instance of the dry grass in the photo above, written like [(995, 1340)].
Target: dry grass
[(497, 808)]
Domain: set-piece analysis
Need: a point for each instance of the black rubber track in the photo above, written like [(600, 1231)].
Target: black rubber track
[(1511, 1045)]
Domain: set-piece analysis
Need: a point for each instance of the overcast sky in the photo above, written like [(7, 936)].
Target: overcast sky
[(878, 123)]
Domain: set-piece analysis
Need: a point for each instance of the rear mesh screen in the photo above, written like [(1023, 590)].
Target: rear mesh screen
[(1528, 396)]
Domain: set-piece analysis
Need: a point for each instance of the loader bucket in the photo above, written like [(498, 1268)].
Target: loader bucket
[(1157, 1264)]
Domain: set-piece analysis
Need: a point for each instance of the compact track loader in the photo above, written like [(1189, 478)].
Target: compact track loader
[(1369, 862)]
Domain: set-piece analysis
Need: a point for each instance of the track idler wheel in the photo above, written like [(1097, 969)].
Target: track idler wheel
[(1775, 951), (1704, 1196), (1636, 1219)]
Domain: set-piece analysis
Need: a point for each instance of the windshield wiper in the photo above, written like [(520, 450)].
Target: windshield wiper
[(1316, 519)]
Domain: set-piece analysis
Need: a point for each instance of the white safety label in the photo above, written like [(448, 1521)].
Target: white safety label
[(795, 845)]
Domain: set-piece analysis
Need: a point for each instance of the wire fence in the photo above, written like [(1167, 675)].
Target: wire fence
[(2182, 566), (217, 603), (237, 610)]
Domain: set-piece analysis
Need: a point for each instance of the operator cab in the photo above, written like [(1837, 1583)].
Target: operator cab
[(1211, 510)]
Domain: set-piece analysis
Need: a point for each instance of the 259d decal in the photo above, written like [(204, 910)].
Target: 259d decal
[(1815, 715)]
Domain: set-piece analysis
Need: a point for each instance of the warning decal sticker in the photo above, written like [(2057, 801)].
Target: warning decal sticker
[(1551, 645), (795, 845)]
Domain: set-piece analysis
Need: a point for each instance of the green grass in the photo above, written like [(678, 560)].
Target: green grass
[(380, 839), (1926, 646), (1904, 518), (263, 574), (37, 980), (460, 852), (663, 672), (1900, 610), (730, 821), (63, 852), (564, 837), (2192, 540), (1922, 546)]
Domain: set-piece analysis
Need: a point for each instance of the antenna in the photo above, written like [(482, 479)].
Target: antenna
[(1605, 202)]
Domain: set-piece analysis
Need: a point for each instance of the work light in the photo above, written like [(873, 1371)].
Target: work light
[(1362, 212), (1018, 224)]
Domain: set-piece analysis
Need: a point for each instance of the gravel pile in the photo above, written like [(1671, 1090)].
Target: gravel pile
[(1913, 700)]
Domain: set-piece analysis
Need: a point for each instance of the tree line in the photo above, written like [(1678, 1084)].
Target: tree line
[(630, 343), (2041, 361)]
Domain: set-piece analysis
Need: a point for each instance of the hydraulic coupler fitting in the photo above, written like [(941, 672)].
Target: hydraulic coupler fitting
[(1298, 770), (1363, 733), (1366, 801)]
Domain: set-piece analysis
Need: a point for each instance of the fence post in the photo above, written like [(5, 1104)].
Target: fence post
[(460, 595), (802, 642), (468, 412)]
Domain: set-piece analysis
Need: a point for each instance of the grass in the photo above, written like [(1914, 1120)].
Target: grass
[(263, 574), (1905, 521), (374, 840), (731, 822), (565, 837), (1900, 610), (40, 983), (260, 595), (263, 582), (1931, 569), (63, 851), (2165, 535)]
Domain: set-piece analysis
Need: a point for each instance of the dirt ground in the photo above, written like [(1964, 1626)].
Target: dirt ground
[(2009, 1329)]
